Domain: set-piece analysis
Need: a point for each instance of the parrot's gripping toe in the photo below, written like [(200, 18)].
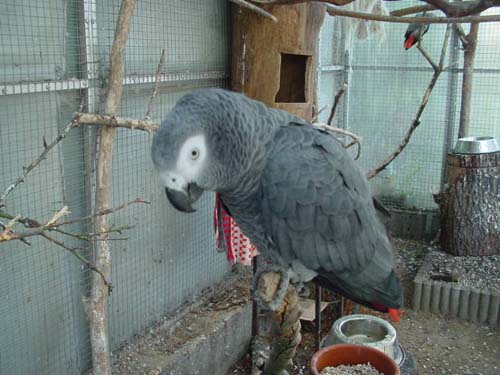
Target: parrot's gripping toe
[(262, 293)]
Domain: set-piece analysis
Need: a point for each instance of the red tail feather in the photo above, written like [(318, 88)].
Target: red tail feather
[(395, 314)]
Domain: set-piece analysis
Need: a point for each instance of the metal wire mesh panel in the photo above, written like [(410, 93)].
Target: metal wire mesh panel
[(54, 62), (386, 86)]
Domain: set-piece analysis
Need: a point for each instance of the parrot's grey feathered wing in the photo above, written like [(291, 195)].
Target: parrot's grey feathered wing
[(317, 208)]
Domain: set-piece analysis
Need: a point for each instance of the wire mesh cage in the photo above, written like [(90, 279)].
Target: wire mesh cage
[(54, 59)]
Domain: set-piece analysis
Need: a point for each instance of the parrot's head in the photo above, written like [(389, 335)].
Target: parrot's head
[(196, 148)]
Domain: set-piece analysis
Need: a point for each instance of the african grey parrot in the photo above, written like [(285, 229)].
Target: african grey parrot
[(415, 32), (294, 191)]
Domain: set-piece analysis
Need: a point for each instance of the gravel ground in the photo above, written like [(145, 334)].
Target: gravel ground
[(477, 272)]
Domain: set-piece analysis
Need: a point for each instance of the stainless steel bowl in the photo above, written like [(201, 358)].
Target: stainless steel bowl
[(476, 145), (366, 330)]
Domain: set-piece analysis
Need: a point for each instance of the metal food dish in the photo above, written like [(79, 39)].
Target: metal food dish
[(366, 330), (476, 145)]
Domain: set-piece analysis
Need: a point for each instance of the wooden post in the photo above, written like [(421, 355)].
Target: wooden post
[(470, 205)]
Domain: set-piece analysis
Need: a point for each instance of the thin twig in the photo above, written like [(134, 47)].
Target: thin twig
[(155, 88), (333, 130), (336, 103), (416, 121), (426, 55), (412, 10), (25, 241), (333, 11), (76, 253), (316, 116), (35, 228), (254, 8), (40, 158)]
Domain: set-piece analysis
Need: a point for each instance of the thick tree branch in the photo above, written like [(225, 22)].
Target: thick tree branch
[(333, 11), (283, 2), (451, 9), (462, 8), (420, 111), (96, 304)]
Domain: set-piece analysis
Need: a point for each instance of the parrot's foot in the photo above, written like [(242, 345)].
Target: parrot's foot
[(263, 290)]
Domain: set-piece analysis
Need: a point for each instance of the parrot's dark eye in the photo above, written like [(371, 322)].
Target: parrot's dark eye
[(195, 153)]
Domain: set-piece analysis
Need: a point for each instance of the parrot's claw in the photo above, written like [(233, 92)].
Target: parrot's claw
[(302, 289), (279, 295)]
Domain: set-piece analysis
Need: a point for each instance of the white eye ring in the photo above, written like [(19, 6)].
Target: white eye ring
[(195, 153)]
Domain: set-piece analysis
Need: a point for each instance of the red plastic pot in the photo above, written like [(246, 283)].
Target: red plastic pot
[(350, 354)]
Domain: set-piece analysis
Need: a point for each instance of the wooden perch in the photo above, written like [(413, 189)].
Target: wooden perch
[(116, 122), (333, 11), (254, 8), (282, 326), (453, 9)]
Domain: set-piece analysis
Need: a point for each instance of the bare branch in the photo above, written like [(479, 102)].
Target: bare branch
[(463, 8), (333, 130), (80, 257), (35, 228), (273, 2), (117, 122), (316, 116), (412, 10), (420, 111), (333, 11), (40, 158), (426, 55), (155, 88), (3, 226), (336, 103), (254, 8)]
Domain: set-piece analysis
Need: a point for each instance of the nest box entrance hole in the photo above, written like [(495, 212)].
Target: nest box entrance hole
[(293, 73)]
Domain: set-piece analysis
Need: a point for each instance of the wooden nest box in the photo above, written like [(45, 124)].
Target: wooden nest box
[(276, 62)]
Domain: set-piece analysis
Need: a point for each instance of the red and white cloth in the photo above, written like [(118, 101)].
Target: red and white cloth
[(229, 237)]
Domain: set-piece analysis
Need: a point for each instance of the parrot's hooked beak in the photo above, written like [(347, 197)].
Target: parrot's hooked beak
[(183, 199)]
